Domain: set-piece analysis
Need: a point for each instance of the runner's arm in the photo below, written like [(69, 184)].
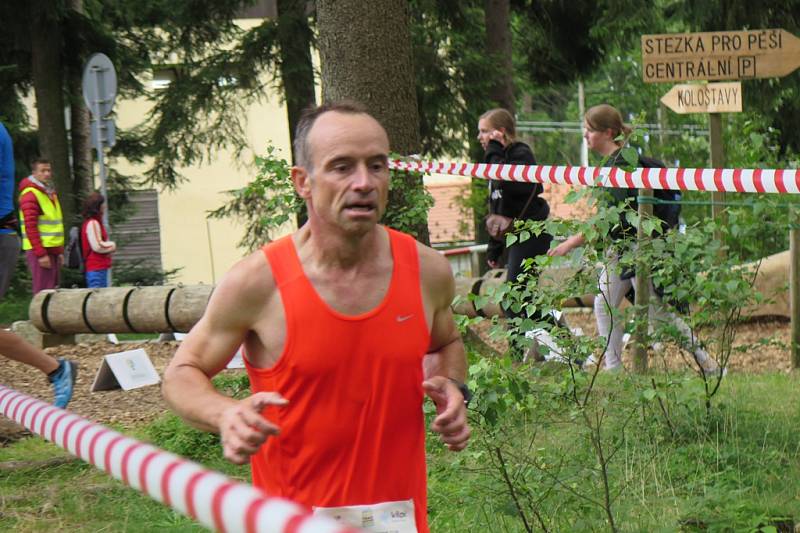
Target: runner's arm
[(211, 344), (446, 355), (446, 359)]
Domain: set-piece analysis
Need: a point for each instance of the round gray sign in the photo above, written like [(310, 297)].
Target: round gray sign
[(99, 85)]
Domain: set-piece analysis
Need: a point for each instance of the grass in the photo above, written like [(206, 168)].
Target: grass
[(13, 307), (736, 470), (78, 497), (75, 497), (136, 336)]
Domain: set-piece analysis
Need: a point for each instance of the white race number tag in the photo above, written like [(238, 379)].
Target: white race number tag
[(386, 517)]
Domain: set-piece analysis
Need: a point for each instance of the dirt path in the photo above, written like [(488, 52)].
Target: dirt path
[(767, 343), (117, 407)]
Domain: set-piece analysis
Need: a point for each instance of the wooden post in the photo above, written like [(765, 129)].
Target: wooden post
[(475, 263), (794, 285), (642, 300), (717, 161)]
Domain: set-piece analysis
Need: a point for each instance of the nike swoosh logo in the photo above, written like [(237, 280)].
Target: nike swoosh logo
[(403, 318)]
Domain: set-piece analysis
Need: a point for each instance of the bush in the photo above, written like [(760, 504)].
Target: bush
[(174, 435)]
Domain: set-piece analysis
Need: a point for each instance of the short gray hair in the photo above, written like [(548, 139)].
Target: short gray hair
[(309, 116)]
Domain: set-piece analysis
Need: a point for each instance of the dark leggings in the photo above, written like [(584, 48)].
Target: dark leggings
[(517, 253)]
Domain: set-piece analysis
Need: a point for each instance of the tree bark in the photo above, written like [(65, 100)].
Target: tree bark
[(48, 85), (498, 47), (365, 51), (297, 71), (366, 55), (79, 125)]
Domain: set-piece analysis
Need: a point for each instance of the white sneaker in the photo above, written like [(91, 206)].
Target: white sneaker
[(589, 365), (542, 337), (712, 370)]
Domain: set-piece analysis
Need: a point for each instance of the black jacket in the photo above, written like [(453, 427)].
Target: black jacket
[(669, 214), (508, 198)]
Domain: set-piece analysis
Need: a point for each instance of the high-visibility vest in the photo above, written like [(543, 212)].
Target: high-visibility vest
[(51, 223)]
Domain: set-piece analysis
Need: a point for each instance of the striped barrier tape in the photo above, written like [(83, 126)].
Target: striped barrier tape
[(214, 500), (782, 181)]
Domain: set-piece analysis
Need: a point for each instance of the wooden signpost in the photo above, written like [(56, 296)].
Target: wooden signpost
[(715, 56), (719, 55)]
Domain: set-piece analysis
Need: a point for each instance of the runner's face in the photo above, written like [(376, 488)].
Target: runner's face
[(42, 172), (349, 183)]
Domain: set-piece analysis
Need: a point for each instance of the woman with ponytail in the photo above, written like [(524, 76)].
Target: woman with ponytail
[(605, 134), (511, 200)]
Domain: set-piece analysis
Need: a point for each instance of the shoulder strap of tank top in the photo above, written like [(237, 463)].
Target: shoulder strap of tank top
[(405, 249), (282, 259), (285, 265)]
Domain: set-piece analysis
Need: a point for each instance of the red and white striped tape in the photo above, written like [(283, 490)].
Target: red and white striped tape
[(783, 181), (209, 497)]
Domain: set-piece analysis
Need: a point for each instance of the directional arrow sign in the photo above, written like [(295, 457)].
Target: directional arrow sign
[(705, 98), (719, 55)]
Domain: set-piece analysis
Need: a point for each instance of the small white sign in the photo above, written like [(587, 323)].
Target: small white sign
[(238, 359), (130, 370)]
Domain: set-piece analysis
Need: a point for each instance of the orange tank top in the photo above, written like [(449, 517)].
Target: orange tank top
[(353, 431)]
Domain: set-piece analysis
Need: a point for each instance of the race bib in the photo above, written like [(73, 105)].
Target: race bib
[(386, 517)]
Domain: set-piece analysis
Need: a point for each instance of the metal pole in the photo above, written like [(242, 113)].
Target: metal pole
[(642, 298), (794, 285), (582, 111), (100, 160)]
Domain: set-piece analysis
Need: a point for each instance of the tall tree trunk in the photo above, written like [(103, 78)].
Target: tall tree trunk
[(498, 47), (48, 87), (79, 124), (297, 71), (365, 51)]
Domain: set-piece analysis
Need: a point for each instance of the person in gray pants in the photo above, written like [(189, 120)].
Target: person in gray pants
[(9, 239)]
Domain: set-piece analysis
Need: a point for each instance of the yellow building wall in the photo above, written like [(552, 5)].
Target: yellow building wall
[(204, 249)]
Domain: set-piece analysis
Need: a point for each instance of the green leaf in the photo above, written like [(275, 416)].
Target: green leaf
[(631, 156)]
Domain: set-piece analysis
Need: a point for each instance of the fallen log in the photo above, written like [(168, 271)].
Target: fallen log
[(176, 308)]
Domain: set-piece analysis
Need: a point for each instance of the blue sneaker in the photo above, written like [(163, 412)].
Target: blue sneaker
[(63, 381)]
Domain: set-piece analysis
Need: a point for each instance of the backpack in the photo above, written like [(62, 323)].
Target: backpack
[(10, 221), (73, 253), (670, 214)]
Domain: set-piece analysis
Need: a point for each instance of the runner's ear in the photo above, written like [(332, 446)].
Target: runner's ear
[(302, 182)]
